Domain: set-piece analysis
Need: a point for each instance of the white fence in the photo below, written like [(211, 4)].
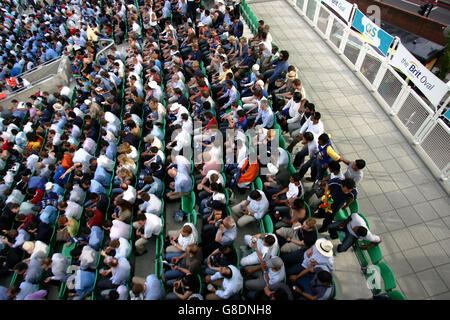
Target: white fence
[(418, 121)]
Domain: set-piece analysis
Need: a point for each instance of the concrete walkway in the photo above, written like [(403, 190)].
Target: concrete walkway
[(403, 202)]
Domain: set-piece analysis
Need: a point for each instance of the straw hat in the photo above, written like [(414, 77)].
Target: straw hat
[(292, 74), (58, 106), (325, 247)]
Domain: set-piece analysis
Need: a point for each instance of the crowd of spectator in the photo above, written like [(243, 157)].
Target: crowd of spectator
[(86, 173)]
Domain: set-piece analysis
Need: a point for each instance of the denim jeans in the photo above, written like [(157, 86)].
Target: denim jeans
[(349, 239), (172, 274), (293, 261), (170, 255)]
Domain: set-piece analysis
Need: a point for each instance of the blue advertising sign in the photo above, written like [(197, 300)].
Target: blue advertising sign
[(373, 33)]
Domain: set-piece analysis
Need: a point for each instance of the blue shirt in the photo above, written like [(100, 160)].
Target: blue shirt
[(37, 183), (154, 290), (96, 187), (281, 66), (50, 54), (102, 176), (183, 182), (111, 150), (85, 283), (242, 125), (57, 177), (3, 295), (339, 197), (157, 133), (266, 116), (49, 215)]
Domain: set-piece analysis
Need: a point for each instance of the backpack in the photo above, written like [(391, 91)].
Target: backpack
[(179, 215)]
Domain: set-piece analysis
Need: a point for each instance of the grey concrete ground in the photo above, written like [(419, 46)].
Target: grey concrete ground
[(403, 202)]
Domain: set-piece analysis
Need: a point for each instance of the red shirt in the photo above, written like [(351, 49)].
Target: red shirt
[(211, 122), (97, 219), (38, 196)]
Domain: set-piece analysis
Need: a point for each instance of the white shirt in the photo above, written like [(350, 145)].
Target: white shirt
[(154, 205), (294, 191), (357, 221), (268, 252), (315, 129), (211, 172), (293, 111), (130, 194), (319, 258), (230, 286), (190, 239), (184, 165), (59, 266), (119, 230), (124, 248), (73, 210), (275, 277), (259, 207), (152, 226), (183, 140)]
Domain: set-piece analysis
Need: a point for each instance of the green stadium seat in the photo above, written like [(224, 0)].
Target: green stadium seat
[(268, 224), (388, 276), (341, 215), (188, 202), (258, 184), (375, 253)]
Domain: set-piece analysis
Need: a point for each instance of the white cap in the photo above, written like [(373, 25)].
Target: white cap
[(255, 67), (200, 24), (260, 83), (98, 89), (48, 186), (175, 106), (272, 168), (87, 102), (153, 84)]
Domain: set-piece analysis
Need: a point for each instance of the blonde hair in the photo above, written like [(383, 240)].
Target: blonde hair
[(124, 148)]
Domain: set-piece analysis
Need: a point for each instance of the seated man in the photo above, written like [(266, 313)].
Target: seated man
[(179, 241), (252, 209), (298, 236), (355, 228), (314, 283), (229, 279), (266, 246), (266, 274)]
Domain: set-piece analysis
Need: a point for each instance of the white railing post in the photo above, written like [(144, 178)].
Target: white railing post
[(380, 74), (316, 13), (445, 172), (329, 27), (305, 7), (344, 39), (361, 56), (401, 98)]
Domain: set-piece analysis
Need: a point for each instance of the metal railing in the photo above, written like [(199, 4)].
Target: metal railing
[(412, 113)]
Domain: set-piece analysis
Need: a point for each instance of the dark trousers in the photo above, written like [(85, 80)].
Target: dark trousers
[(293, 261), (349, 239)]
